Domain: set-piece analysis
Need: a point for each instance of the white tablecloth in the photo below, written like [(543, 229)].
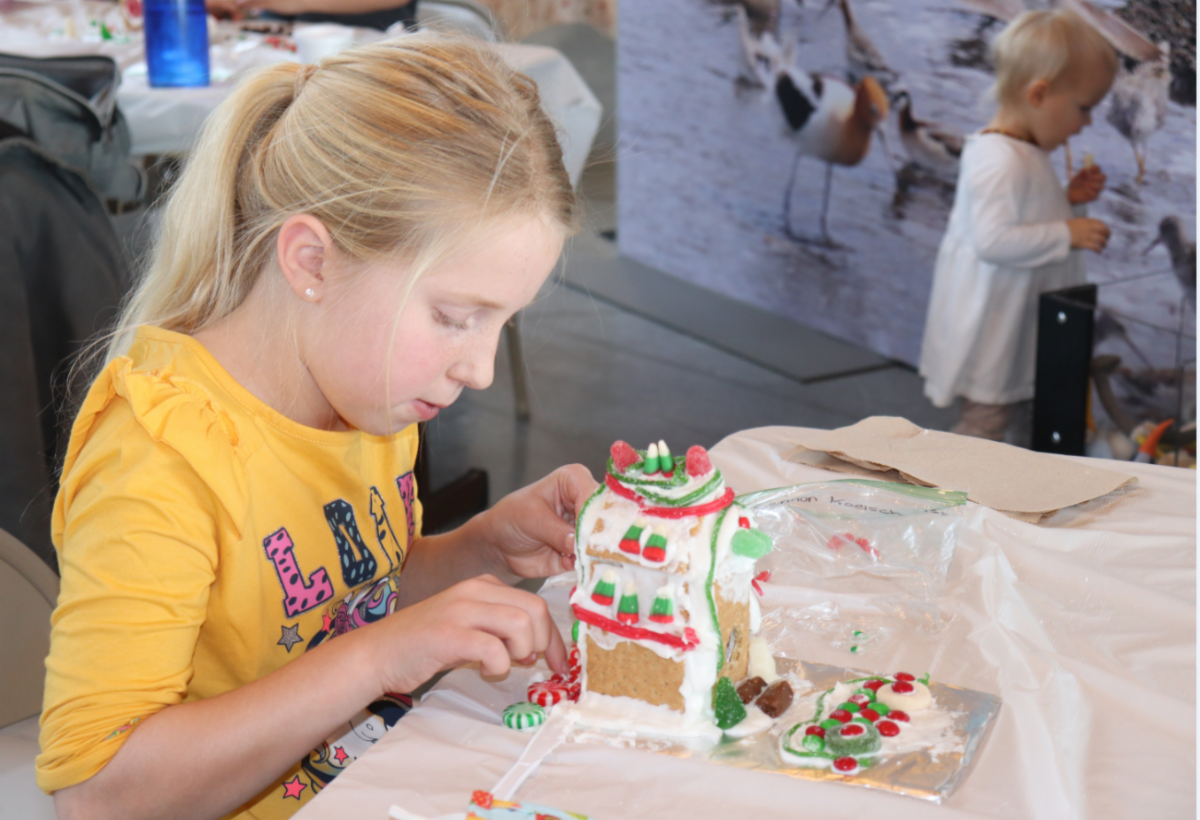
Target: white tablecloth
[(164, 121), (1085, 626)]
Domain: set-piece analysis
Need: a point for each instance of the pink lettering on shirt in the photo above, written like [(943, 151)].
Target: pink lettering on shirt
[(299, 594)]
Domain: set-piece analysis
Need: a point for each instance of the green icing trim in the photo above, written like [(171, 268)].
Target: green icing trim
[(579, 532), (708, 588)]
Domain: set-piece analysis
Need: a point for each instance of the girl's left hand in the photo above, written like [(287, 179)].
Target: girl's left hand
[(1086, 185), (533, 529)]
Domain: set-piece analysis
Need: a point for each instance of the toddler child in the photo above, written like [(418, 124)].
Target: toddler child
[(1014, 232), (244, 583)]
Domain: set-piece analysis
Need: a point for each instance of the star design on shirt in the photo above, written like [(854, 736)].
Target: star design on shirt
[(291, 637), (293, 787), (327, 622), (340, 755)]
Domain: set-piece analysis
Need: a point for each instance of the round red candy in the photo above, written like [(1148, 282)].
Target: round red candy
[(869, 714), (896, 714), (852, 730), (887, 728), (902, 687), (862, 542), (815, 730), (835, 543), (845, 764), (841, 715), (861, 700), (904, 676), (873, 684), (548, 692)]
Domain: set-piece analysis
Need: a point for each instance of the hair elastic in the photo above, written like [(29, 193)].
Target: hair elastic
[(302, 76)]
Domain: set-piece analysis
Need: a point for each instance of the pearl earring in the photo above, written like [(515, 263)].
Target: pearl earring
[(310, 293)]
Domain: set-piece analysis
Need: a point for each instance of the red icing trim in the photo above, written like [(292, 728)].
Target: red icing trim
[(670, 512), (689, 640)]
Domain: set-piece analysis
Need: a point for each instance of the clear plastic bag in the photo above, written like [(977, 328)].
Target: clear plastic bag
[(860, 536)]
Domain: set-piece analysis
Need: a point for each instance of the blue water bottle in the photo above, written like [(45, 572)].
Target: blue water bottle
[(176, 42)]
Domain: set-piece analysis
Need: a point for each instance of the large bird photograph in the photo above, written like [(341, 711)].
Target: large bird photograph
[(801, 156)]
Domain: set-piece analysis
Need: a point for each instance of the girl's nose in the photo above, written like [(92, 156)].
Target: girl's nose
[(476, 367)]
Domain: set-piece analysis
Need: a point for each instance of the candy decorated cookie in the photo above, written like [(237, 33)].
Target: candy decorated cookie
[(908, 695)]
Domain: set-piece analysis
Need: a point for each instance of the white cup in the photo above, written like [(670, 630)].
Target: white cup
[(318, 41)]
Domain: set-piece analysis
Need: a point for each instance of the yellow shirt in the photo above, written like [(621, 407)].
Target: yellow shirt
[(204, 541)]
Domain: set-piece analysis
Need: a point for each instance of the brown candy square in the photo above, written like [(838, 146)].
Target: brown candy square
[(776, 699), (750, 688)]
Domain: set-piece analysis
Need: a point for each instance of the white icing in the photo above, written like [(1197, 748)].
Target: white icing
[(629, 715), (755, 615), (918, 700), (762, 662), (756, 721), (930, 731)]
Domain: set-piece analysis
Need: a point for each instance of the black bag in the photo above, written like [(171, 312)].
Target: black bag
[(68, 105)]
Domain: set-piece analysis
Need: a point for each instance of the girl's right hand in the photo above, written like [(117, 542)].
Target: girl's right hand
[(1088, 234), (479, 620)]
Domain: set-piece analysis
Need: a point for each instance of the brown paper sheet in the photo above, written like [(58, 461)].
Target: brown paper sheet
[(1020, 483)]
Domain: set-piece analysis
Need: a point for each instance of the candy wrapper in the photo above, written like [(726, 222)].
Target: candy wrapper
[(960, 720)]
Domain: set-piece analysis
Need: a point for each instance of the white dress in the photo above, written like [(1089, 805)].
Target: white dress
[(1007, 243)]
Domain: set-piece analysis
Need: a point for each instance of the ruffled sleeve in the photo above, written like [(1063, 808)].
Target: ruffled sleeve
[(154, 471)]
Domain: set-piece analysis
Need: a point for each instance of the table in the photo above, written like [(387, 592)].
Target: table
[(167, 120), (1084, 625)]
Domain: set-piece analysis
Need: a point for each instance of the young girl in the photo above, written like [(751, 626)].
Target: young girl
[(1013, 231), (242, 571)]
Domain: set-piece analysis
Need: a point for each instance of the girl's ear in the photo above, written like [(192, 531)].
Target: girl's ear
[(1036, 94), (304, 251)]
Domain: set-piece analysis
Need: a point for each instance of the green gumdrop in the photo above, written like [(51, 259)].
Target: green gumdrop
[(813, 743), (727, 705), (751, 543), (575, 632), (864, 743)]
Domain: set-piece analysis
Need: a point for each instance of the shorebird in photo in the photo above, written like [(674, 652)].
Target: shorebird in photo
[(1173, 236), (933, 146), (828, 119), (862, 56), (1138, 104)]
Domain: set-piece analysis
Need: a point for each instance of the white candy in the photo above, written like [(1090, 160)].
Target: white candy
[(918, 700), (762, 662)]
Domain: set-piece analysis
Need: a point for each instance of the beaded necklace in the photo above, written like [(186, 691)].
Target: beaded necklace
[(1009, 134)]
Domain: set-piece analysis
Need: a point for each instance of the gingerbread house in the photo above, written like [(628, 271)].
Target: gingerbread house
[(666, 561)]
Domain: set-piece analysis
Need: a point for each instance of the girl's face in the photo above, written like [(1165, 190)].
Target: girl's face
[(380, 375), (1060, 111)]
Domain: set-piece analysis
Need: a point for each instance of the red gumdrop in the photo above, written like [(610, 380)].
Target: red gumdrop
[(841, 715), (845, 764), (744, 522), (835, 543), (887, 728), (901, 687), (869, 714), (896, 714), (852, 730), (623, 456), (698, 463), (861, 700), (815, 730), (904, 676), (873, 684)]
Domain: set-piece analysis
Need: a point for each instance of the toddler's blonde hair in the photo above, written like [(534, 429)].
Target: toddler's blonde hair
[(1045, 45), (404, 150)]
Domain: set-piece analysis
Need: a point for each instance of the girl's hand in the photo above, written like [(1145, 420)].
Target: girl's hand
[(1088, 234), (480, 620), (1086, 185), (533, 530)]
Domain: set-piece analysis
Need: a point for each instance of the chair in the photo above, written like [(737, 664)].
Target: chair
[(28, 592)]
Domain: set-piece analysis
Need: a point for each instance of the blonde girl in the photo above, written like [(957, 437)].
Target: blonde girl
[(1015, 231), (242, 566)]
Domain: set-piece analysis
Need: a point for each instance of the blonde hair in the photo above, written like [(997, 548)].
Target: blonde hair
[(403, 149), (1045, 45)]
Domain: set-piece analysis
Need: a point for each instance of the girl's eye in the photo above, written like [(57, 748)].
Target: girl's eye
[(449, 321)]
